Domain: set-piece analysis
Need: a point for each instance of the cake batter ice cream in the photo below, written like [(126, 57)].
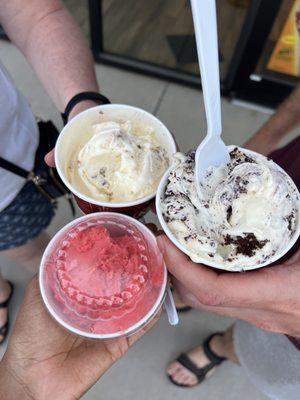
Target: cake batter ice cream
[(246, 211), (120, 162)]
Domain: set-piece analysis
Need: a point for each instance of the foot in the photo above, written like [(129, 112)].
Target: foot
[(4, 295), (183, 376)]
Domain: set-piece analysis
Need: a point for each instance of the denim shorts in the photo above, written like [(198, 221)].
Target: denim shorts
[(24, 218)]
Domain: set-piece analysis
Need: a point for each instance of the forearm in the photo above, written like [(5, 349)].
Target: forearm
[(61, 58), (273, 131), (54, 45)]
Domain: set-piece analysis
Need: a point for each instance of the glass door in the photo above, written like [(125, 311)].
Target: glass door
[(270, 66), (280, 59), (157, 36)]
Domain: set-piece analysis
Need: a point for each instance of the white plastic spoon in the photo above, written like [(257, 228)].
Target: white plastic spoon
[(169, 303), (212, 150), (170, 307)]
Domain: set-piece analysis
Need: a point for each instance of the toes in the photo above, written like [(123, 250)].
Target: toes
[(176, 376), (173, 367), (184, 376), (185, 380), (180, 377), (191, 380)]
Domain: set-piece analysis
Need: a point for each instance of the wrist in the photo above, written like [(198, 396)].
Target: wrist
[(83, 105), (82, 101), (12, 386), (25, 384)]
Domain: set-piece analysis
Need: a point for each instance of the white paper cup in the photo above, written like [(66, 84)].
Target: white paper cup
[(86, 317), (71, 139), (160, 195)]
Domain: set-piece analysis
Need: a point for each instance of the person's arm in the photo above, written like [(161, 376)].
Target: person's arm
[(287, 117), (43, 361), (52, 42)]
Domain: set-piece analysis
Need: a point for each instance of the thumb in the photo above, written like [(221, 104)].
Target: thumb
[(175, 260), (49, 159), (196, 278)]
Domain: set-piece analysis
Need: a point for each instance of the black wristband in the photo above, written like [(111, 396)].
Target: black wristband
[(83, 96)]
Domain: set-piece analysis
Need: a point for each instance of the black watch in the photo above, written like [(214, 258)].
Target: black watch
[(82, 97)]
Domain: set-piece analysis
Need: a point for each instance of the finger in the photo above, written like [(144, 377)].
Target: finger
[(294, 259), (33, 320), (32, 287), (211, 288), (191, 300), (187, 297), (32, 295), (200, 281), (49, 159), (280, 321)]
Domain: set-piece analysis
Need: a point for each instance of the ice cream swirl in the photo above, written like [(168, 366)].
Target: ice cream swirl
[(245, 212), (120, 162)]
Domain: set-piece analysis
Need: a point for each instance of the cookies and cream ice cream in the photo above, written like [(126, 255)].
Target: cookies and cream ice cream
[(246, 211), (120, 162)]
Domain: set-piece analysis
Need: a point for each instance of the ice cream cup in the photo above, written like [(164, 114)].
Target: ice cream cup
[(70, 276), (277, 256), (69, 139)]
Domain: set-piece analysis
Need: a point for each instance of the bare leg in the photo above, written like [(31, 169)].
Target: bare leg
[(224, 347), (221, 345), (269, 136), (30, 254)]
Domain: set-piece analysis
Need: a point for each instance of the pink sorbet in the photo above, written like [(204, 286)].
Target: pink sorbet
[(103, 284)]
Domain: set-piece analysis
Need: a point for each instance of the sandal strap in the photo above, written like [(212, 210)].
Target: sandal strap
[(5, 303), (210, 354), (183, 309), (200, 373)]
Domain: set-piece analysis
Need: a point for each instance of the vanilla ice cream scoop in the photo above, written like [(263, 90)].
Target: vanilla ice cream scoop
[(245, 212), (120, 162)]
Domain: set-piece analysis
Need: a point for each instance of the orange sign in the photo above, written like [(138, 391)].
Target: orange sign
[(286, 54)]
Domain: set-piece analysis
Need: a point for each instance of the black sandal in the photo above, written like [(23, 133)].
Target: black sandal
[(183, 309), (200, 373), (5, 304)]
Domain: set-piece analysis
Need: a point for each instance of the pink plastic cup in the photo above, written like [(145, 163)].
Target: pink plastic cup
[(70, 139), (93, 297)]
